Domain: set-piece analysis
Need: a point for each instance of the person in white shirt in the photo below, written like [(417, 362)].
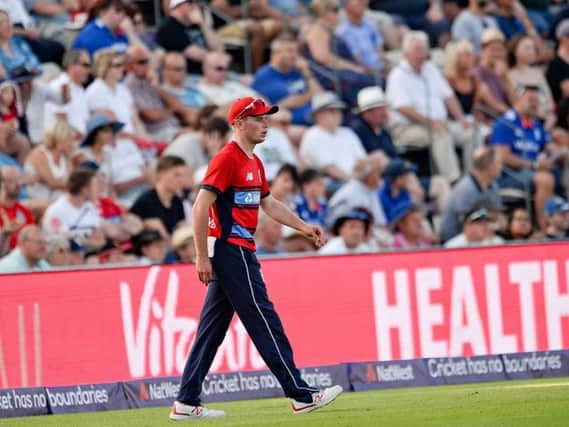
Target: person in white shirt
[(215, 84), (421, 100), (475, 229), (75, 112), (351, 229), (74, 214), (327, 146)]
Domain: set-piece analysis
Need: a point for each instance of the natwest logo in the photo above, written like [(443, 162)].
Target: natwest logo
[(158, 339)]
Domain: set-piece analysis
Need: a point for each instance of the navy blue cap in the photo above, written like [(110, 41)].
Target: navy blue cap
[(95, 123), (398, 167), (355, 213), (401, 210), (556, 205)]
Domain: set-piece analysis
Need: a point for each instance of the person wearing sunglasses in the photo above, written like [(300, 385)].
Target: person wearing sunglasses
[(225, 217)]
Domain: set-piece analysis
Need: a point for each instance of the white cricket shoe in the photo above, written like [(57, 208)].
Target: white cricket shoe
[(319, 400), (180, 411)]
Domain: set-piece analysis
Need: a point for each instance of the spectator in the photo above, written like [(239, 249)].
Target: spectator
[(216, 86), (481, 180), (475, 229), (539, 12), (311, 203), (268, 236), (350, 229), (151, 247), (471, 22), (519, 225), (287, 80), (50, 162), (75, 214), (362, 37), (293, 241), (14, 215), (29, 255), (134, 13), (394, 191), (557, 218), (407, 224), (174, 75), (524, 145), (161, 113), (327, 146), (110, 96), (370, 123), (285, 184), (12, 141), (57, 253), (425, 123), (493, 68), (331, 55), (360, 191), (75, 112), (524, 72), (54, 18), (161, 208), (557, 73), (512, 18), (497, 219), (186, 30), (18, 60), (182, 243)]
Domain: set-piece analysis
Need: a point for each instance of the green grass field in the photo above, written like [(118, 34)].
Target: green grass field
[(513, 403)]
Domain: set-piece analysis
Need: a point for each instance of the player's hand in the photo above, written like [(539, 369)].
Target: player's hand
[(315, 233), (204, 269)]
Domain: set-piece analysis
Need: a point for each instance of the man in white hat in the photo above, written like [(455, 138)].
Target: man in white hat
[(327, 146)]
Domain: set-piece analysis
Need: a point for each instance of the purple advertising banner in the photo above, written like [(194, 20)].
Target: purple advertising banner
[(86, 398), (22, 402)]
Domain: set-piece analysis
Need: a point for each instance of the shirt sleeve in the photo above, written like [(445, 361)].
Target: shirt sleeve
[(219, 175), (502, 135), (265, 190), (396, 95)]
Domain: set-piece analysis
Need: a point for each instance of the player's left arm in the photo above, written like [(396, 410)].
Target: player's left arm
[(281, 213)]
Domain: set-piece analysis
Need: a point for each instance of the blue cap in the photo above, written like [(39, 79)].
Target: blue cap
[(89, 164), (355, 213), (555, 205), (95, 123), (398, 167), (401, 210)]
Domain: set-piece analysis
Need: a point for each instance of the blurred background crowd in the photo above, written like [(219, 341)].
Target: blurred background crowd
[(403, 124)]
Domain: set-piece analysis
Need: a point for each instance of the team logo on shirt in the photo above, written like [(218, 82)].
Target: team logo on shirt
[(211, 223), (249, 176)]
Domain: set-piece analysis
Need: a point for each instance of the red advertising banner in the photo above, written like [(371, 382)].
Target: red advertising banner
[(111, 325)]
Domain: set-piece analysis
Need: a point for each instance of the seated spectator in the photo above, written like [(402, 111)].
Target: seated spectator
[(493, 67), (161, 208), (394, 191), (426, 123), (311, 204), (12, 141), (540, 14), (327, 146), (261, 25), (54, 19), (471, 22), (334, 65), (294, 241), (526, 149), (16, 56), (285, 184), (134, 13), (14, 215), (481, 180), (198, 148), (557, 218), (524, 72), (475, 227), (557, 73), (497, 219), (110, 96), (57, 253), (29, 255), (216, 86), (287, 80), (182, 243), (362, 37), (519, 225), (151, 246), (173, 71), (350, 229), (512, 19), (360, 191), (75, 112), (75, 214), (186, 30), (268, 236), (407, 225), (161, 113), (50, 162), (115, 253)]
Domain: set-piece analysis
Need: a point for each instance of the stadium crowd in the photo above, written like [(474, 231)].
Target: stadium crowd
[(403, 124)]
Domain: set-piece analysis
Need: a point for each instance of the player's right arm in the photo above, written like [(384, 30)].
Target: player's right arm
[(200, 215)]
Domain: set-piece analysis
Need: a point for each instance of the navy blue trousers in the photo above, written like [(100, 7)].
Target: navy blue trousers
[(239, 287)]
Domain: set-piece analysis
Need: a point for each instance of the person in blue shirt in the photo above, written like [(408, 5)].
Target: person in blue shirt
[(104, 30), (287, 80), (311, 203), (526, 150), (512, 19), (394, 191)]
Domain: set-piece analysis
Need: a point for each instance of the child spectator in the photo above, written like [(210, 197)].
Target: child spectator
[(311, 203)]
